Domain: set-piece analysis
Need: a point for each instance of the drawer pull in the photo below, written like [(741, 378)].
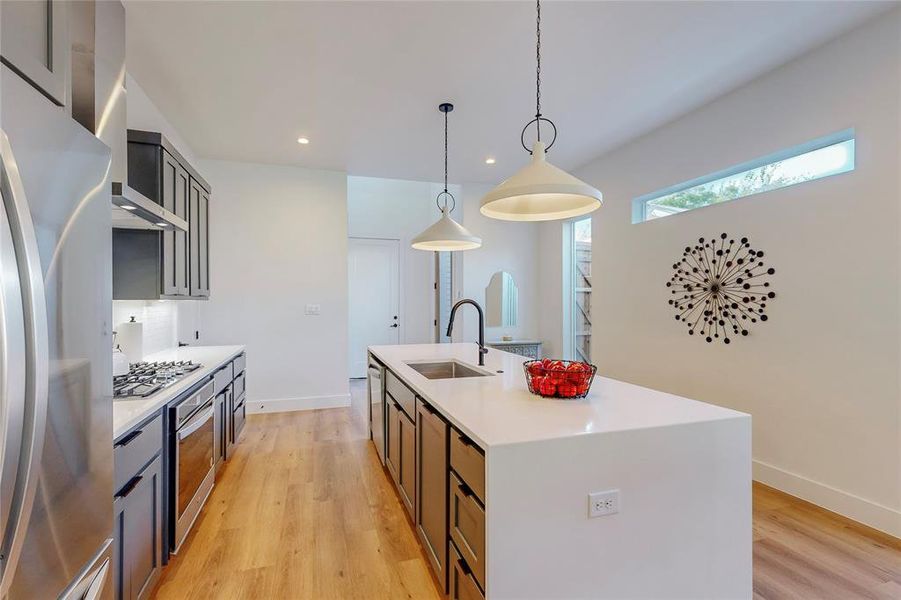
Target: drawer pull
[(465, 490), (128, 438), (132, 483), (466, 441), (463, 566)]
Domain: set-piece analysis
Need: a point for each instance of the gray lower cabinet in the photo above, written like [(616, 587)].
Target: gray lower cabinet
[(34, 41), (138, 533), (401, 455), (392, 435), (431, 486), (462, 585)]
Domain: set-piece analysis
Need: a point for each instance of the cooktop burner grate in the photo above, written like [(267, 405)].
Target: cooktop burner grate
[(146, 378)]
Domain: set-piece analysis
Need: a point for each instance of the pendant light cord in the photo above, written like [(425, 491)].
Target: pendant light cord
[(538, 68), (445, 152)]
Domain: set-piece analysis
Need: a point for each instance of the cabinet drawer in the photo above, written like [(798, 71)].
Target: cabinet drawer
[(240, 418), (401, 394), (468, 461), (221, 379), (238, 389), (239, 364), (135, 449), (462, 585), (467, 527)]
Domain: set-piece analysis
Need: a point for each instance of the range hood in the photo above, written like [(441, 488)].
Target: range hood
[(134, 210), (99, 102)]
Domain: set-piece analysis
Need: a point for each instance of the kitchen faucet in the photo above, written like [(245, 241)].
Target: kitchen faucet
[(450, 326)]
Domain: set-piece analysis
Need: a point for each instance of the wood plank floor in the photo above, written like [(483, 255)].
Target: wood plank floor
[(304, 511)]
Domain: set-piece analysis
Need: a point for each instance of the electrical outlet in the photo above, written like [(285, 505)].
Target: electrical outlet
[(603, 503), (312, 309)]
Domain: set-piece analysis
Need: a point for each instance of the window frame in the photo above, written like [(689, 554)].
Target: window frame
[(640, 204)]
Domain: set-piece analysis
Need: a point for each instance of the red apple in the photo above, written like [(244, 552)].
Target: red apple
[(547, 387)]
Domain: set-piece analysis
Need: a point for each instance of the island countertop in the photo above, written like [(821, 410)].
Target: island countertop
[(499, 409), (130, 412)]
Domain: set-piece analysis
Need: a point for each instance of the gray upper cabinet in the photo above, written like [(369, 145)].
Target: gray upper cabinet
[(199, 242), (34, 42), (152, 264)]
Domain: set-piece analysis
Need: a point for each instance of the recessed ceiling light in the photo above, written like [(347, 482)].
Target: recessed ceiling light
[(129, 207), (303, 140), (161, 224), (489, 161)]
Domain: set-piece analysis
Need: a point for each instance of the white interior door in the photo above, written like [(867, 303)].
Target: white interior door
[(373, 288)]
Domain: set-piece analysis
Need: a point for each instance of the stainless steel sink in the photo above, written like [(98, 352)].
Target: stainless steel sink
[(447, 369)]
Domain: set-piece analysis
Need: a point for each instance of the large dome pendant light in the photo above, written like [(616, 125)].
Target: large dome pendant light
[(446, 235), (540, 191)]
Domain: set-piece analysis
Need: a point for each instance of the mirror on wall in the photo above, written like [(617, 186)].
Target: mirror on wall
[(501, 299)]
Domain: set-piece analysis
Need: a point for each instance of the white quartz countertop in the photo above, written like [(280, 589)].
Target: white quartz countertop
[(128, 413), (499, 409)]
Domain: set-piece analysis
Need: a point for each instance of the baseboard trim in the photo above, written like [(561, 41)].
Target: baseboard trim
[(858, 509), (292, 404)]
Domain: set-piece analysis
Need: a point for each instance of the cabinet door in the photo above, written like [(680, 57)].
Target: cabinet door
[(182, 186), (169, 285), (138, 530), (194, 238), (431, 486), (392, 456), (407, 472), (35, 43), (204, 249)]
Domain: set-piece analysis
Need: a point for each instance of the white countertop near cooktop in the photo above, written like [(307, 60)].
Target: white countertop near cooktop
[(128, 413), (499, 409)]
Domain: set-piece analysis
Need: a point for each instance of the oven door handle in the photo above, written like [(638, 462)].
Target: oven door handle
[(196, 422)]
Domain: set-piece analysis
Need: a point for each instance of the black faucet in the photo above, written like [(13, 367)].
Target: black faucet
[(450, 326)]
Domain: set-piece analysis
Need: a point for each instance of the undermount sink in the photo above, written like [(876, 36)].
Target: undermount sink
[(447, 369)]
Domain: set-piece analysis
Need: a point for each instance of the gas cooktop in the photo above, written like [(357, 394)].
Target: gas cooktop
[(146, 378)]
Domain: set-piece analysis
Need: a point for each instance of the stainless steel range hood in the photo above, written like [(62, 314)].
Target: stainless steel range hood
[(134, 210), (99, 103)]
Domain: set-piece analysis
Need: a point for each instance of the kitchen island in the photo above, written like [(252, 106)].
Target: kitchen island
[(679, 472)]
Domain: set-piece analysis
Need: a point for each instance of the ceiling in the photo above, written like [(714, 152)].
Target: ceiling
[(362, 80)]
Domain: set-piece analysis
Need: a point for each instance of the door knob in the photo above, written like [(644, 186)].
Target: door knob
[(395, 325)]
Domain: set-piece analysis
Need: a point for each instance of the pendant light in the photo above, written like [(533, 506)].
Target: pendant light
[(446, 235), (540, 191)]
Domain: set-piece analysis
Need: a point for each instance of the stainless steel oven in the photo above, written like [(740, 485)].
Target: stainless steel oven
[(193, 441)]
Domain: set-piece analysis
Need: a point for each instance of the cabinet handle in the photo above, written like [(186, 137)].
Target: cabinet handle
[(463, 566), (465, 489), (128, 438), (132, 483)]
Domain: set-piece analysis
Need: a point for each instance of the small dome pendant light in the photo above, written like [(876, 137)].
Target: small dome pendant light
[(446, 235), (540, 191)]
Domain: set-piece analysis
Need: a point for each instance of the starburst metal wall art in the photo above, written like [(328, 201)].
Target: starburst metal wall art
[(720, 287)]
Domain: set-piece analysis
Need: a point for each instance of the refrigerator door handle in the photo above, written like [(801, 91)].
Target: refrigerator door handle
[(36, 360), (96, 588)]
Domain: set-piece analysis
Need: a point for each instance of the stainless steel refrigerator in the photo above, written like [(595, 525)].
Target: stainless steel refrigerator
[(56, 490)]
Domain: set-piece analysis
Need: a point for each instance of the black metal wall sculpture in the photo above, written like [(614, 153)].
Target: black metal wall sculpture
[(719, 287)]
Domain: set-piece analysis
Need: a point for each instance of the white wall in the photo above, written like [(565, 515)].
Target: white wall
[(821, 377), (400, 210), (278, 241), (506, 246)]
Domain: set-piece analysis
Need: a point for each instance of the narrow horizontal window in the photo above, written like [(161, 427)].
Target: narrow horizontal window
[(819, 158)]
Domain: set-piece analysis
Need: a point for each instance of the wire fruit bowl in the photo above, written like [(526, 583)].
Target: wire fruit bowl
[(565, 379)]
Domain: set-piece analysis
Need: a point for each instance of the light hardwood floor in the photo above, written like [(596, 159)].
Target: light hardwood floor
[(304, 511)]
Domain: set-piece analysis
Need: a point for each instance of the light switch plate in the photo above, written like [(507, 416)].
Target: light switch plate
[(603, 503), (312, 309)]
